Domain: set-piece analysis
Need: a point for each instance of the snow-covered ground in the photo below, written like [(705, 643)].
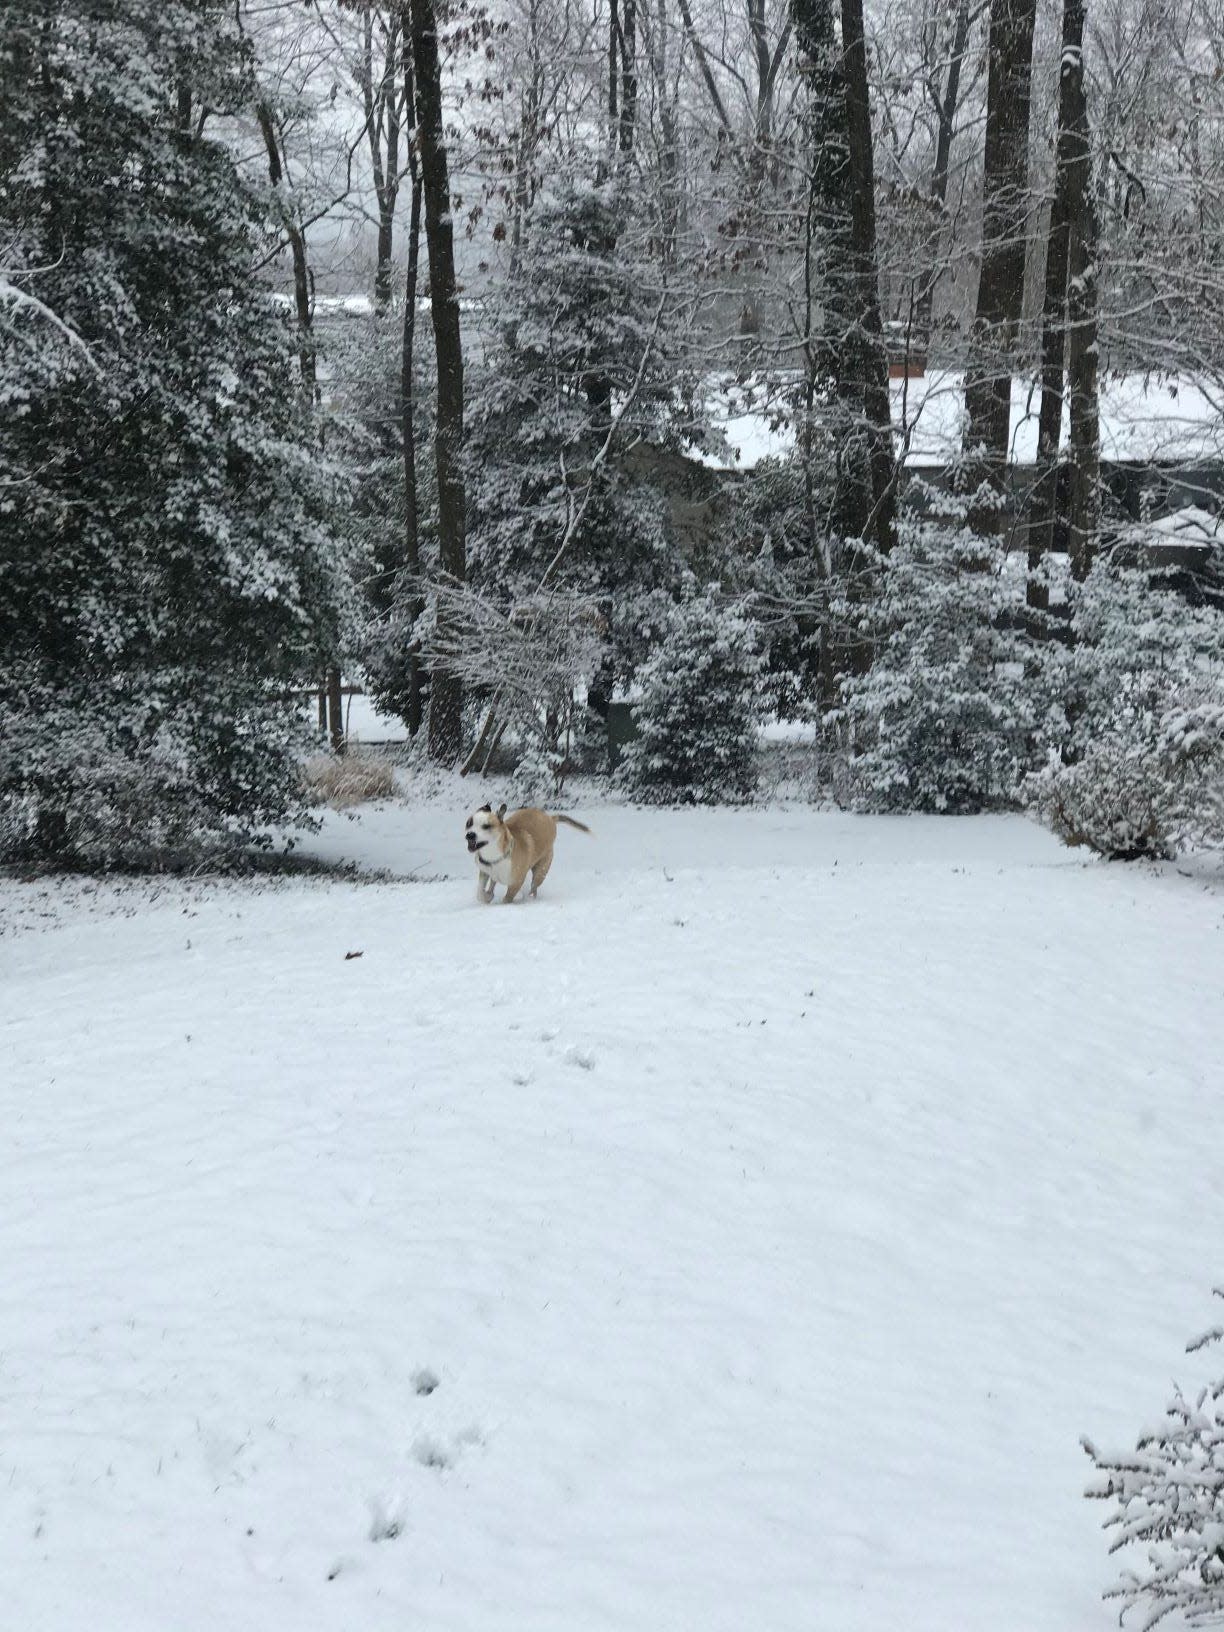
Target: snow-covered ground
[(736, 1239), (1142, 418)]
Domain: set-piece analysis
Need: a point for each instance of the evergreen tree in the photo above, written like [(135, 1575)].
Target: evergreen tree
[(699, 708), (582, 370), (167, 568), (941, 720), (1135, 747)]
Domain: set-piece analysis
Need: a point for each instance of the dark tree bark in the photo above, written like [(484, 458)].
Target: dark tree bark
[(307, 365), (671, 196), (528, 138), (1082, 363), (446, 691), (1068, 340), (707, 76), (629, 76), (412, 541), (297, 249), (1043, 499), (946, 101), (335, 709), (380, 95), (846, 366), (873, 357), (1000, 302)]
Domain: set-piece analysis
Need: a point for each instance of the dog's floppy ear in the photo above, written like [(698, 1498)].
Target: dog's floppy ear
[(501, 811)]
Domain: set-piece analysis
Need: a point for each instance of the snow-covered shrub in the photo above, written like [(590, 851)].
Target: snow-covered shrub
[(1110, 801), (1136, 750), (1167, 1500), (170, 567), (699, 708), (940, 719)]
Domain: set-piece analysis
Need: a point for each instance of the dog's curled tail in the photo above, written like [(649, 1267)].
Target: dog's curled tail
[(570, 822)]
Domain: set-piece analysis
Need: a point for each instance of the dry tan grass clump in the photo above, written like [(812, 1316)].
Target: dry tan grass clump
[(341, 780)]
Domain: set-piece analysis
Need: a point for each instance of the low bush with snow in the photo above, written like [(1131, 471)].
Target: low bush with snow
[(1136, 749), (1167, 1500)]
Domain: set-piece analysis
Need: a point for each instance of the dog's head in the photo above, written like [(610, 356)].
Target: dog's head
[(486, 835)]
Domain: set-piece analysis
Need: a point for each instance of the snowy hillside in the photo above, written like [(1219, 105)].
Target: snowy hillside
[(737, 1238)]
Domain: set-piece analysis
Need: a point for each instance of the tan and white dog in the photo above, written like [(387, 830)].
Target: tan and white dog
[(507, 848)]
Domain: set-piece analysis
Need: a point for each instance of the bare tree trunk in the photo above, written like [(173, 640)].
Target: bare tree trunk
[(1043, 499), (614, 50), (946, 103), (1069, 332), (670, 198), (297, 248), (446, 691), (335, 709), (1082, 361), (412, 542), (629, 77), (527, 140), (1000, 302), (707, 77), (381, 106), (873, 357)]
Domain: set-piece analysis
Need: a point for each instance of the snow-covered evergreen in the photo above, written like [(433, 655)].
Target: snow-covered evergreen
[(582, 364), (937, 709), (699, 707), (1135, 756), (169, 567)]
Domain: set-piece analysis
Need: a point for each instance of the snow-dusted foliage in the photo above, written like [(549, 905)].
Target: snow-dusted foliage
[(526, 663), (939, 719), (168, 568), (582, 364), (699, 708), (1167, 1507), (1136, 749)]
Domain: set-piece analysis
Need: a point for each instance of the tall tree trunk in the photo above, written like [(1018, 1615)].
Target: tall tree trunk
[(629, 77), (1069, 331), (446, 691), (614, 52), (1082, 363), (670, 198), (947, 103), (297, 249), (1000, 302), (381, 106), (528, 137), (412, 541), (1043, 499), (873, 356)]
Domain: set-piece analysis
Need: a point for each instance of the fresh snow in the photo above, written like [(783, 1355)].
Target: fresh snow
[(1143, 418), (737, 1238)]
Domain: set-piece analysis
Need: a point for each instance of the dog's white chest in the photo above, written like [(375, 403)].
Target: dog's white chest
[(498, 871)]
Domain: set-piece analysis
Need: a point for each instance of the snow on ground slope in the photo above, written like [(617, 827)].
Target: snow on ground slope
[(738, 1238)]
